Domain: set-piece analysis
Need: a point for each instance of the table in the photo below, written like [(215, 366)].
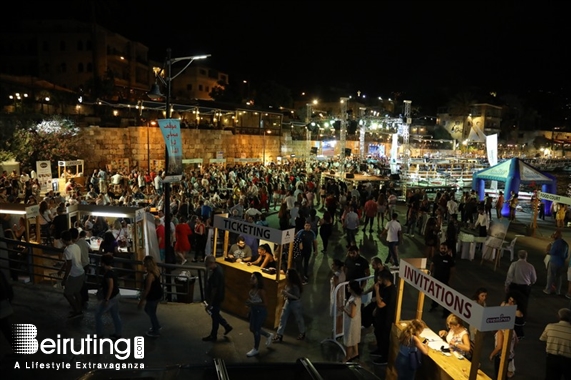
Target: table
[(466, 245), (436, 365), (237, 284)]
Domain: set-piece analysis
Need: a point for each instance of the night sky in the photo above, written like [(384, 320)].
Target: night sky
[(415, 48)]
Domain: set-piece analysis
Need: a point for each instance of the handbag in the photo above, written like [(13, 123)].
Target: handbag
[(414, 359)]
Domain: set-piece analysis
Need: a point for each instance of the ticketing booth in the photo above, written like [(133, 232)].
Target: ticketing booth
[(439, 365), (237, 274)]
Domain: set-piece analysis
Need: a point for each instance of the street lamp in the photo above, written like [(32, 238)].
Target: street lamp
[(155, 94)]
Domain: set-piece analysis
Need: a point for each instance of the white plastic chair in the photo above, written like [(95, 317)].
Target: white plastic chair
[(509, 247)]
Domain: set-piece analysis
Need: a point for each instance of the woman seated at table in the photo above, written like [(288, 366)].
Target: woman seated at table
[(457, 335), (265, 257)]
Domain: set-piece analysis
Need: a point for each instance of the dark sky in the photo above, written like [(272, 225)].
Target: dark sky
[(371, 46)]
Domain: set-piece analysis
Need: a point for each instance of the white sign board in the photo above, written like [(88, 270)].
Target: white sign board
[(44, 173), (554, 198), (32, 211), (192, 161), (257, 231), (483, 318), (70, 163), (247, 160), (217, 160)]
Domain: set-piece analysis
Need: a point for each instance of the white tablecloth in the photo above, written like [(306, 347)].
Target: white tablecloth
[(466, 245)]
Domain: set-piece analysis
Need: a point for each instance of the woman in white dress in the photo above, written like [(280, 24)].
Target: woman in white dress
[(352, 322)]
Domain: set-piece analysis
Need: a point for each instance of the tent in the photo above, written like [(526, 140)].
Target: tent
[(514, 172)]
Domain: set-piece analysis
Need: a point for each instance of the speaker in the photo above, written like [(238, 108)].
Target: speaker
[(395, 177), (347, 152), (313, 150), (349, 175)]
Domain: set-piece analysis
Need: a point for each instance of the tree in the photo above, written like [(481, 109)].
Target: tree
[(272, 94), (461, 105), (50, 140), (226, 93)]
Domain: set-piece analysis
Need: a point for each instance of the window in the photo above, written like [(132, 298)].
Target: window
[(80, 45), (62, 45), (200, 87), (63, 68), (80, 68), (189, 87)]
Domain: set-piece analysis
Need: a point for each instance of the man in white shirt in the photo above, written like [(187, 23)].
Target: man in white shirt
[(78, 237), (74, 275), (393, 230), (482, 223), (521, 275), (289, 200), (116, 178), (452, 207)]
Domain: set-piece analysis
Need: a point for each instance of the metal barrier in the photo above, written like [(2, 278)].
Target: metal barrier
[(339, 287), (20, 259)]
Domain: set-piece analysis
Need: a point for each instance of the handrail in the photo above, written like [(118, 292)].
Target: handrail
[(310, 368), (221, 370), (128, 273)]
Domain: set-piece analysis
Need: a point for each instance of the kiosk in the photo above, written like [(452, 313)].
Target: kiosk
[(70, 169), (237, 275), (436, 365)]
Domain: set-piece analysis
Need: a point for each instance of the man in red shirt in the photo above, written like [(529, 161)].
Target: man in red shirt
[(370, 213), (160, 229)]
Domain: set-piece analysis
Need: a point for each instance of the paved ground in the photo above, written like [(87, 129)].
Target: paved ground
[(185, 324)]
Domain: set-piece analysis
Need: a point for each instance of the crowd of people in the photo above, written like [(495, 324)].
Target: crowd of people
[(316, 206)]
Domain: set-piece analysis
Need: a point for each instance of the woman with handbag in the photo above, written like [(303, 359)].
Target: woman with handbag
[(152, 294), (258, 302), (410, 347), (292, 294)]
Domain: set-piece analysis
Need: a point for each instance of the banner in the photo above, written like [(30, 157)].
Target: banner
[(173, 141), (44, 172), (394, 154), (492, 152)]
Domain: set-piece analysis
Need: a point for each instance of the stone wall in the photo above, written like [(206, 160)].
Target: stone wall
[(107, 144)]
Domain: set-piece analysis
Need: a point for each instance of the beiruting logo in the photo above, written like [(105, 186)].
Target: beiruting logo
[(25, 343)]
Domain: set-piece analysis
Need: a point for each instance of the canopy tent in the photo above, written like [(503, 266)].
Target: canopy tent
[(514, 172)]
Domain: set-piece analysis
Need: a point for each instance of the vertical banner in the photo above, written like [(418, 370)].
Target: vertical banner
[(492, 152), (44, 172), (173, 141)]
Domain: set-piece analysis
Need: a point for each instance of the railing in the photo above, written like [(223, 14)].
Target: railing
[(341, 287), (22, 259)]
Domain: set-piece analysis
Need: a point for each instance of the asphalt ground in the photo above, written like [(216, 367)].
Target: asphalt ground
[(185, 324)]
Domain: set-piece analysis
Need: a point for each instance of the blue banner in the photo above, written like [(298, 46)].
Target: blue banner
[(173, 141)]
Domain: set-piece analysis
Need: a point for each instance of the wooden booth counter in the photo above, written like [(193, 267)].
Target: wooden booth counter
[(436, 365), (237, 285)]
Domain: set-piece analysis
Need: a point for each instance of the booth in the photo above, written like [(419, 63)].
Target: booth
[(438, 365), (70, 169), (237, 275), (192, 164)]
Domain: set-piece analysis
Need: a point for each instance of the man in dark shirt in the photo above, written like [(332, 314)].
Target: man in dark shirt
[(214, 297), (307, 237), (442, 267), (60, 224), (385, 297), (356, 266)]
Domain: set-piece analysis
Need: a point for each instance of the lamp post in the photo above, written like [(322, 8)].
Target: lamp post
[(155, 94)]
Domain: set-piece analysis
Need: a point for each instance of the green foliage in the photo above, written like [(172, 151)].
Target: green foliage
[(50, 140)]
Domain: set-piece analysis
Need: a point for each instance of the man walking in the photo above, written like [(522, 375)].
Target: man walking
[(393, 230), (558, 348), (214, 298), (370, 209), (74, 275), (558, 254), (351, 224), (521, 275)]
